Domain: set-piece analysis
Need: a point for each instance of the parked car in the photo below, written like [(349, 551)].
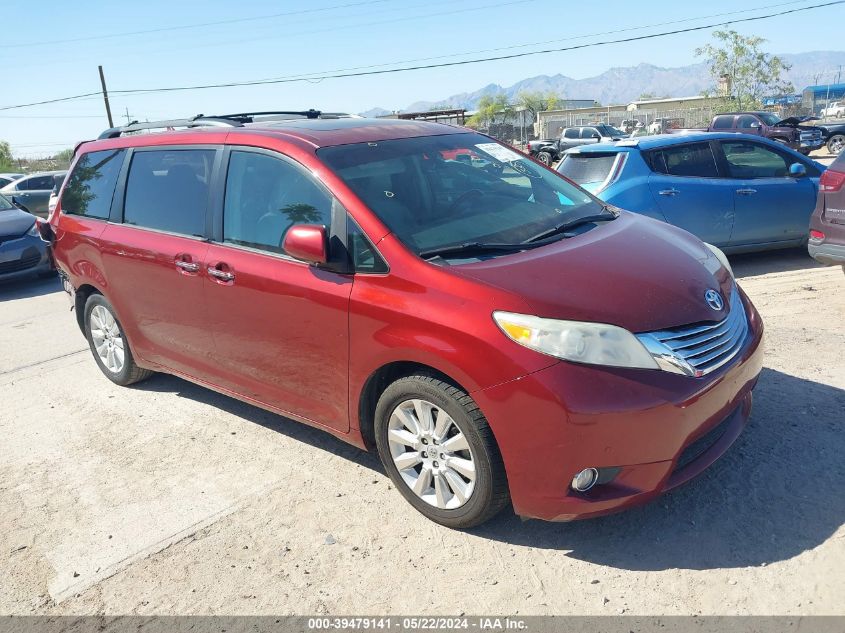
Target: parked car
[(22, 251), (5, 179), (33, 191), (789, 131), (833, 134), (835, 109), (547, 152), (827, 225), (741, 193), (664, 125), (493, 334)]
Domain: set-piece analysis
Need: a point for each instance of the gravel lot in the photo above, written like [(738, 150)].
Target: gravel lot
[(170, 499), (167, 498)]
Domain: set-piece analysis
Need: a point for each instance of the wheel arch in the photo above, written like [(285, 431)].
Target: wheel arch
[(80, 298), (379, 380)]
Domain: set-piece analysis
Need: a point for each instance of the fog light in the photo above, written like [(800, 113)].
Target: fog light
[(585, 480)]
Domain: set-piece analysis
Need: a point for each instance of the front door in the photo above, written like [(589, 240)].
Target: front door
[(154, 261), (280, 326), (770, 205), (690, 193)]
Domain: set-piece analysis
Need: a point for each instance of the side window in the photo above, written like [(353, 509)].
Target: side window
[(168, 190), (724, 122), (751, 160), (571, 132), (91, 185), (40, 183), (24, 185), (265, 196), (693, 160), (590, 132), (365, 258), (747, 122)]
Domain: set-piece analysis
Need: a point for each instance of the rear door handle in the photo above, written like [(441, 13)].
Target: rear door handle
[(746, 192), (222, 275), (669, 192)]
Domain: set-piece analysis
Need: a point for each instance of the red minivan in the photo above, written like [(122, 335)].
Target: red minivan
[(495, 332)]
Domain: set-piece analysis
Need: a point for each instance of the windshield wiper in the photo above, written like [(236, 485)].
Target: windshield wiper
[(468, 248), (571, 224)]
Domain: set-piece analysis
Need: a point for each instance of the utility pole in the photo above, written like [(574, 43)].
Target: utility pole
[(105, 96)]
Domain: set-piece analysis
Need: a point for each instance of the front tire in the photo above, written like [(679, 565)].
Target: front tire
[(439, 451), (108, 343), (835, 144)]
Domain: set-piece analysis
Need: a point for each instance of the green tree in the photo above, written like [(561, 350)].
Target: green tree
[(750, 73), (534, 102), (6, 161), (492, 110), (63, 158)]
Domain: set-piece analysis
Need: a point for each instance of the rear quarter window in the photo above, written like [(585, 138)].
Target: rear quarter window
[(90, 188)]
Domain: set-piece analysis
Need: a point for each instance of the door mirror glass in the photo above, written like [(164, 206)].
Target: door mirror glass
[(307, 242), (797, 170)]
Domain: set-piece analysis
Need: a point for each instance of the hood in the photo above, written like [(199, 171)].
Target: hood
[(14, 222), (634, 272), (795, 121)]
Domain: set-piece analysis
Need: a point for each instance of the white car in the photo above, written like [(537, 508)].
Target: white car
[(837, 108)]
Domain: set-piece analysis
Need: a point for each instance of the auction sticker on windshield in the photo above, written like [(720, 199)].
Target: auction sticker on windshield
[(499, 152)]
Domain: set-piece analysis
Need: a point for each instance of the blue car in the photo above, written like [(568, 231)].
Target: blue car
[(738, 192), (22, 251)]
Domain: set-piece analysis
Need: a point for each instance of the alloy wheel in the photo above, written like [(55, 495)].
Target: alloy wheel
[(431, 454), (108, 339)]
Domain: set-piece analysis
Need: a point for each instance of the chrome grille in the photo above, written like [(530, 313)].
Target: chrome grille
[(697, 350)]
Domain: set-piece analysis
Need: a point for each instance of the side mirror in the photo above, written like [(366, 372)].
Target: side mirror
[(797, 170), (307, 242), (19, 205), (754, 125), (45, 230)]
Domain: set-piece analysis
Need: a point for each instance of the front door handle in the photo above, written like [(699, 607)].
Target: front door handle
[(669, 192), (746, 192), (222, 275), (188, 267)]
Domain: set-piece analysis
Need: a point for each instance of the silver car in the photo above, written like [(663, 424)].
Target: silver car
[(33, 191)]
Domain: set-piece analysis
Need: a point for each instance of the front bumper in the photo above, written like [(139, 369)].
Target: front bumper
[(648, 424), (827, 253), (24, 256)]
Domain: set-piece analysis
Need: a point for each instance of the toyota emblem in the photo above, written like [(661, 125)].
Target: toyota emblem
[(714, 300)]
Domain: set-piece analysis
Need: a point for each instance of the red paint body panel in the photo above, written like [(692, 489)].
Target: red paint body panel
[(303, 341)]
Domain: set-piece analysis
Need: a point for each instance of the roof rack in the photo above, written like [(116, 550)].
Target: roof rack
[(222, 120)]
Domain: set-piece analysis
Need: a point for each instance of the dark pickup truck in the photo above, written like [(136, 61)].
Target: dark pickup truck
[(833, 135), (789, 131), (548, 152)]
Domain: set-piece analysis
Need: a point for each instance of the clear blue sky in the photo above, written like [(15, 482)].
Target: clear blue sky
[(40, 65)]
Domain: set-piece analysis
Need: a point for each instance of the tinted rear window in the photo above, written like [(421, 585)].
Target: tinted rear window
[(90, 187), (693, 160), (586, 168), (723, 122), (168, 190)]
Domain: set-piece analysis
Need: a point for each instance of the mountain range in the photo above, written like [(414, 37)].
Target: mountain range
[(626, 83)]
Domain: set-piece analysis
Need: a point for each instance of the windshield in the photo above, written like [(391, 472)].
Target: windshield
[(437, 191), (6, 204), (770, 118)]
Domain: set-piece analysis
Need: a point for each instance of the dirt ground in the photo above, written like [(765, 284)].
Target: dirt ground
[(167, 498)]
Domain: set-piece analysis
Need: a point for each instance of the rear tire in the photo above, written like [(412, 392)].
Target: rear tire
[(545, 158), (451, 468), (109, 345)]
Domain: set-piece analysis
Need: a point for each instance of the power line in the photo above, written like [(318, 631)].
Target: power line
[(339, 75), (196, 25)]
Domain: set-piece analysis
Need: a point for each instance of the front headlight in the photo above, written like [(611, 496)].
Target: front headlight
[(576, 341), (723, 259), (33, 231)]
